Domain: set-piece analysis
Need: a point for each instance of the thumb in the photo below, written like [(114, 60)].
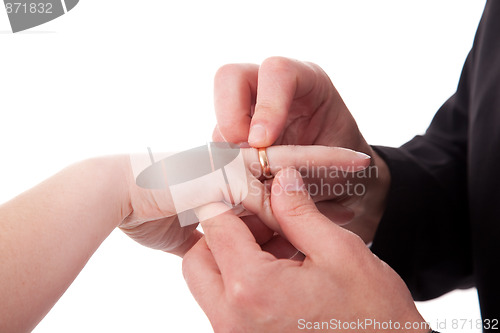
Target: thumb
[(303, 225)]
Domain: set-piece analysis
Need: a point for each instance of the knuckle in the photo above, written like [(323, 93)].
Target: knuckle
[(277, 64), (240, 292), (353, 244), (303, 209), (354, 240), (227, 71), (266, 108), (315, 68)]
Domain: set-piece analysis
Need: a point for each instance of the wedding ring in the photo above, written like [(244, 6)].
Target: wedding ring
[(264, 163)]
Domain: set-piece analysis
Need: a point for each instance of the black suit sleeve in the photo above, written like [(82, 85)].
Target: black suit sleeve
[(425, 231)]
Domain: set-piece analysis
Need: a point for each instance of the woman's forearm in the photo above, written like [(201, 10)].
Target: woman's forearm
[(48, 233)]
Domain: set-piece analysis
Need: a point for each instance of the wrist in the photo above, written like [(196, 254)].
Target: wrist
[(113, 175)]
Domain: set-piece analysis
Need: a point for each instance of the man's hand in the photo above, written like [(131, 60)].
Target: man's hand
[(285, 101), (282, 101), (244, 289)]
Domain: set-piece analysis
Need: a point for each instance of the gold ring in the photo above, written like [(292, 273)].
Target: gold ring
[(264, 163)]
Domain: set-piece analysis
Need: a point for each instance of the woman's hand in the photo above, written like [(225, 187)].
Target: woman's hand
[(48, 233), (153, 220)]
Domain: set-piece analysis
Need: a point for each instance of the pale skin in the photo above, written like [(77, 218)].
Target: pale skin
[(245, 289), (285, 101), (48, 233)]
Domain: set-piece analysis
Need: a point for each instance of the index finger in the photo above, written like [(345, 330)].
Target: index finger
[(235, 88)]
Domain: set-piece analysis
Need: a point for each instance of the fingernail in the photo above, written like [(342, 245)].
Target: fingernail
[(244, 145), (357, 154), (360, 160), (257, 135), (362, 156), (298, 256), (291, 181), (364, 159)]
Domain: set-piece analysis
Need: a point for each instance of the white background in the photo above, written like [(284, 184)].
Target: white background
[(117, 76)]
